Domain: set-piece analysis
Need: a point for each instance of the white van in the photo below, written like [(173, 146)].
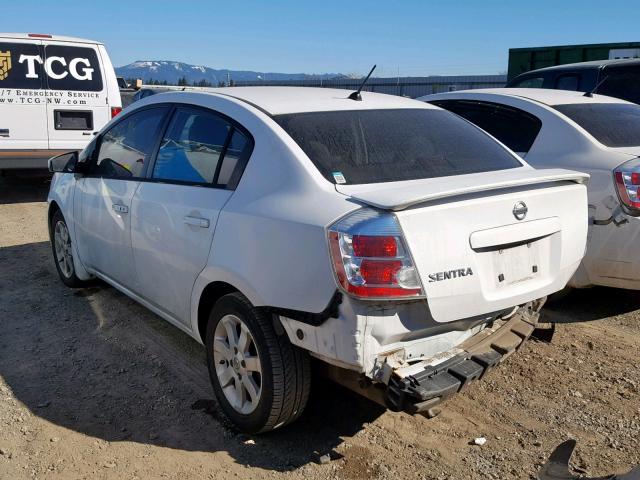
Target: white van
[(55, 94)]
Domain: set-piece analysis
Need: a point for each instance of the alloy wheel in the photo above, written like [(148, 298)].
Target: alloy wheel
[(62, 245), (237, 364)]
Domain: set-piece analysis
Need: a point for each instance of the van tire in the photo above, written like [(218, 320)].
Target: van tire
[(285, 376)]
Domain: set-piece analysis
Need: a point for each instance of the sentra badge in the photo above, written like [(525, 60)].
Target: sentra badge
[(449, 274)]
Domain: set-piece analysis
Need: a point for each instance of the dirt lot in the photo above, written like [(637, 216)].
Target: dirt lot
[(94, 386)]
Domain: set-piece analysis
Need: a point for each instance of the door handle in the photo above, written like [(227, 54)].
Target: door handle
[(196, 221), (120, 208), (4, 132)]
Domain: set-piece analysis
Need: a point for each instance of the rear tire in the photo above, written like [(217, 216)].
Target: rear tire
[(63, 252), (260, 379)]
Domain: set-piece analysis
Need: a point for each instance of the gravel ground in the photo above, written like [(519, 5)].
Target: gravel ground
[(92, 385)]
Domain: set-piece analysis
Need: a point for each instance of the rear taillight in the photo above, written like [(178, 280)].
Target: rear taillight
[(627, 178), (370, 257), (115, 111)]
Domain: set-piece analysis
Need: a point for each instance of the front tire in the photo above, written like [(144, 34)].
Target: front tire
[(63, 251), (260, 379)]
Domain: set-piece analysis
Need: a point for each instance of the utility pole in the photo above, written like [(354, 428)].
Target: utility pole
[(228, 79)]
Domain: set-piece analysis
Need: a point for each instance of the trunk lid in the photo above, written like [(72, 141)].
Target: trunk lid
[(400, 195), (487, 242)]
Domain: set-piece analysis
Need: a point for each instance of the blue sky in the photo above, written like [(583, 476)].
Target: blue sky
[(413, 37)]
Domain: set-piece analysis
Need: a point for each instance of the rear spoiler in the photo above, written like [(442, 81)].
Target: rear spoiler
[(401, 195)]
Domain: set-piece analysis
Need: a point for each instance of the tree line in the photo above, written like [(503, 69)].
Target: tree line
[(182, 82)]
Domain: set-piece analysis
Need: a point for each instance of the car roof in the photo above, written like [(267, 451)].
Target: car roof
[(594, 64), (546, 96), (57, 38), (281, 100)]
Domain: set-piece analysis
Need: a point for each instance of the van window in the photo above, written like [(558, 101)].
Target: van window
[(622, 82), (124, 150), (389, 145), (73, 68), (15, 73), (567, 82), (612, 124), (535, 82), (513, 127)]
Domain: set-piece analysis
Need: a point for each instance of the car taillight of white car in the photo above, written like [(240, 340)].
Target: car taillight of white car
[(370, 257), (627, 180)]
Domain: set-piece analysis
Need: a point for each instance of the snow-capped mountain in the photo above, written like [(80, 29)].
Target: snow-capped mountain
[(162, 70)]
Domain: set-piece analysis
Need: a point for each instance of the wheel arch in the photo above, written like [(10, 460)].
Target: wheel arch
[(211, 293), (53, 208), (60, 204)]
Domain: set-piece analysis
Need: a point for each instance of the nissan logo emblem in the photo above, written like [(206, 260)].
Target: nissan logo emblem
[(520, 210)]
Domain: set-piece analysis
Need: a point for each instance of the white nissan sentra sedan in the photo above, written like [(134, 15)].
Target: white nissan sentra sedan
[(595, 134), (397, 244)]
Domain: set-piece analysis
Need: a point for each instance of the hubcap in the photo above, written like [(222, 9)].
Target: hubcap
[(237, 363), (62, 245)]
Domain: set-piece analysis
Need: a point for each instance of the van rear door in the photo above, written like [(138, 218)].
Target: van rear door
[(77, 94), (23, 119)]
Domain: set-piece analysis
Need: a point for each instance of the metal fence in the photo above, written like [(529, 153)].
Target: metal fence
[(405, 86)]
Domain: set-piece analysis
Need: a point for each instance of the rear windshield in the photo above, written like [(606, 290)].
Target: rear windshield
[(613, 125), (371, 146)]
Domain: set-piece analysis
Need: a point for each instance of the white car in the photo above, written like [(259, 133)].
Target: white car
[(595, 134), (55, 93), (278, 224)]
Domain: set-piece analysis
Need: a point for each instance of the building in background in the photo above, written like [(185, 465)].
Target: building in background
[(522, 60), (405, 86)]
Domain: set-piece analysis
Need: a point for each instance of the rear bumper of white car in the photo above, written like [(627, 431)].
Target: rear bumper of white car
[(418, 387)]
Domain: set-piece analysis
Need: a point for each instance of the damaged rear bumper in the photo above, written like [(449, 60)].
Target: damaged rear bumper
[(419, 387)]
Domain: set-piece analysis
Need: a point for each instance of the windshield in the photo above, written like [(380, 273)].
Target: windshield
[(372, 146), (612, 124)]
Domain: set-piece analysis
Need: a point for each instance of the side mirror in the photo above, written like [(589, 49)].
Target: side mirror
[(65, 163)]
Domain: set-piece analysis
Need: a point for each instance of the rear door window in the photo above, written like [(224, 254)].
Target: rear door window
[(72, 68), (515, 128), (612, 124), (234, 156), (371, 146), (20, 66), (192, 147), (125, 149)]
